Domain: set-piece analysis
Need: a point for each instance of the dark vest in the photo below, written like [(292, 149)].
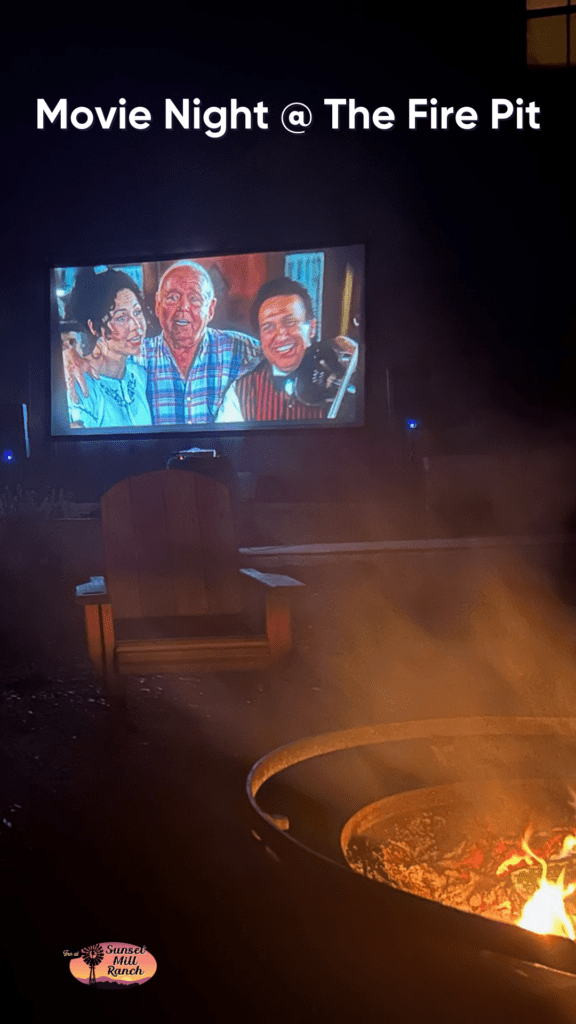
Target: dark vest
[(259, 399)]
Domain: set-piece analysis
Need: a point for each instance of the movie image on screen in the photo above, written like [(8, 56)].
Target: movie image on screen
[(235, 342)]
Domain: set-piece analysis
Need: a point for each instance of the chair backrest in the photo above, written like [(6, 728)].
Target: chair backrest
[(170, 547)]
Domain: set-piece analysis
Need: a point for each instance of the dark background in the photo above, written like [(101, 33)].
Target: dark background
[(469, 234), (469, 292)]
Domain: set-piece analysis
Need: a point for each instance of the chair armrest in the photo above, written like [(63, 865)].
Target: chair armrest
[(271, 579), (93, 592)]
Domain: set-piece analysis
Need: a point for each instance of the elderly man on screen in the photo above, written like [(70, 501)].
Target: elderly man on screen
[(189, 365), (298, 377)]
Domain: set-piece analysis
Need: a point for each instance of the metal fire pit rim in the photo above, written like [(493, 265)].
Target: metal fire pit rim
[(554, 952), (364, 818), (289, 754)]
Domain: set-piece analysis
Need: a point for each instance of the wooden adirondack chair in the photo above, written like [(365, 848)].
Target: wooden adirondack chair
[(173, 596)]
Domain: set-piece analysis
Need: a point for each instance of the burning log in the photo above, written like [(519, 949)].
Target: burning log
[(495, 876)]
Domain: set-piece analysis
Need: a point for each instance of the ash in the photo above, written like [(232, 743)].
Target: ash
[(463, 874)]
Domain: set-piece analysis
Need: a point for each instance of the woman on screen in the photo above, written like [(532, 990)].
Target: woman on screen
[(110, 309)]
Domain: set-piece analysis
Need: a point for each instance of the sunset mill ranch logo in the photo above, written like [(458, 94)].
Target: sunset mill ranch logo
[(112, 965)]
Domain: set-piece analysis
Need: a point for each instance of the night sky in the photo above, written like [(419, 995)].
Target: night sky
[(469, 234)]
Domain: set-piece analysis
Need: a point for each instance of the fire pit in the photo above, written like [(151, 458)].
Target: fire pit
[(440, 843), (467, 859)]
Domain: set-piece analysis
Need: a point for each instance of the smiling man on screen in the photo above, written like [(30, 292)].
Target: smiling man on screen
[(297, 377)]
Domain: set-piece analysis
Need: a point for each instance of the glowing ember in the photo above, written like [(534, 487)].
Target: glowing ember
[(527, 880), (545, 913), (502, 878)]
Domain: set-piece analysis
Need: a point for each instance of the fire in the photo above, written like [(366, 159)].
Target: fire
[(568, 845), (511, 862), (545, 913)]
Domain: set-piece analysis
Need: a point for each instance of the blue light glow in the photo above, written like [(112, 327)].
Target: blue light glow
[(412, 424), (7, 455)]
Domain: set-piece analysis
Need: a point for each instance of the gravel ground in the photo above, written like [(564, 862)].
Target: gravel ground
[(150, 844)]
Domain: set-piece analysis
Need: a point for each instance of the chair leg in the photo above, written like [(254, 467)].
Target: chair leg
[(107, 626), (92, 621), (278, 624), (116, 684), (100, 637)]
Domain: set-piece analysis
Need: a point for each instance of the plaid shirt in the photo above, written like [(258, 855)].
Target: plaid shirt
[(221, 357)]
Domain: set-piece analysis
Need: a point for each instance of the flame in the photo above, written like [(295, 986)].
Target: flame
[(515, 858), (568, 845), (511, 862), (545, 913)]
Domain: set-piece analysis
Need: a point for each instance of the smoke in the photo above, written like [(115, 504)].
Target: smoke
[(395, 636), (446, 633), (406, 635)]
